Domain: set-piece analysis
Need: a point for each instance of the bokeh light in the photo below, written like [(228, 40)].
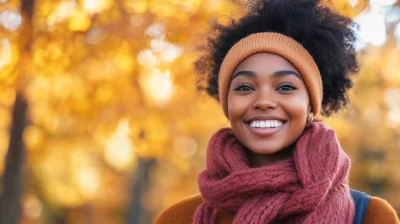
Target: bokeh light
[(372, 29), (10, 20), (119, 149)]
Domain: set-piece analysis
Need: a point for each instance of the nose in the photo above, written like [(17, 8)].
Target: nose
[(265, 100)]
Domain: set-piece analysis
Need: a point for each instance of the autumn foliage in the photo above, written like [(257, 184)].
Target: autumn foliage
[(115, 129)]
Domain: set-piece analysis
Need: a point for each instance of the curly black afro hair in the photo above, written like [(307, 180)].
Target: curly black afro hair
[(328, 36)]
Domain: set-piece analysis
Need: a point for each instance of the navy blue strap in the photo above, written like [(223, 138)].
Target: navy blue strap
[(361, 201)]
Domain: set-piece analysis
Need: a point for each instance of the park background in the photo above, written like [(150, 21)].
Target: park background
[(101, 122)]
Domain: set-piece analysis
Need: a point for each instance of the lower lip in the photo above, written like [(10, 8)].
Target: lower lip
[(265, 132)]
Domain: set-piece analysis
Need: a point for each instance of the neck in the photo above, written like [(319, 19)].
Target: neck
[(260, 160)]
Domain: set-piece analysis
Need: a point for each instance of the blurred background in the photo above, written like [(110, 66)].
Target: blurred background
[(100, 120)]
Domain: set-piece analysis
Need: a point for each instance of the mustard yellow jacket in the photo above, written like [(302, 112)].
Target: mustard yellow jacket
[(378, 212)]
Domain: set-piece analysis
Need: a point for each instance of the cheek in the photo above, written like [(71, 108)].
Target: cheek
[(237, 106), (299, 107)]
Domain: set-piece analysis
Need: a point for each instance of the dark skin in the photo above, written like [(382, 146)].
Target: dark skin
[(267, 85)]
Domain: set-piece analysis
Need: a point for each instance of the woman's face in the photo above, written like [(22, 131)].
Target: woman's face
[(267, 103)]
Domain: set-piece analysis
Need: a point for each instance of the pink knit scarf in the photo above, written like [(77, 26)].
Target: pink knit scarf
[(311, 187)]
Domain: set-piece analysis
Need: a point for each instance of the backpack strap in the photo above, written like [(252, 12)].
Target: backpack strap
[(361, 201)]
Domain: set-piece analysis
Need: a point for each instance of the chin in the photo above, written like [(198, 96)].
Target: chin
[(264, 151)]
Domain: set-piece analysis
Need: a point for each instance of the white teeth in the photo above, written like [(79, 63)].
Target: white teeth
[(266, 124)]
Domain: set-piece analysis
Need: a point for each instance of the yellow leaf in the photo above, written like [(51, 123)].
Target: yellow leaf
[(79, 21)]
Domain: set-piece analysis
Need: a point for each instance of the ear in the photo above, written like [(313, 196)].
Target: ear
[(310, 114)]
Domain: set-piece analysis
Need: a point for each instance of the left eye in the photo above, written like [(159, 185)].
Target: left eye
[(286, 87), (244, 88)]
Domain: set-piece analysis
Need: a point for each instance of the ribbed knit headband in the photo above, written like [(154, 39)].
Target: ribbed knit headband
[(281, 45)]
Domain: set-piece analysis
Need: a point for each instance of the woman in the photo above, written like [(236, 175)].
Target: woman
[(273, 71)]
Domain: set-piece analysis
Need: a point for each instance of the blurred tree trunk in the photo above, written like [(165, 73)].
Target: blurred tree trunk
[(10, 199), (13, 174), (136, 213)]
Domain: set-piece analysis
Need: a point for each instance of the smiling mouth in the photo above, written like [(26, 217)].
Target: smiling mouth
[(265, 128), (266, 123)]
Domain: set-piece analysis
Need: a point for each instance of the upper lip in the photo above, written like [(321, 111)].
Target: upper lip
[(264, 117)]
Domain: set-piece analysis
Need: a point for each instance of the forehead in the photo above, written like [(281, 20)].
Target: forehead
[(266, 63)]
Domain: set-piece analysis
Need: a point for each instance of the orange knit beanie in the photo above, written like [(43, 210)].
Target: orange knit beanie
[(281, 45)]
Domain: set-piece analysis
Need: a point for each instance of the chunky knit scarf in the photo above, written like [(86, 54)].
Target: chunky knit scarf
[(311, 187)]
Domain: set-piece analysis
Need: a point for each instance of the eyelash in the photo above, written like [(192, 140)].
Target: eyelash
[(290, 85), (239, 88)]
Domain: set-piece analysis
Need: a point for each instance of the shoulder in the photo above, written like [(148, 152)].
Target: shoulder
[(181, 212), (380, 211)]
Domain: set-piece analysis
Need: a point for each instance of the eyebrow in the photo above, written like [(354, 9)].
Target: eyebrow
[(275, 75)]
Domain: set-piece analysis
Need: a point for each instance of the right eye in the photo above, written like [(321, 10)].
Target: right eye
[(244, 87)]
